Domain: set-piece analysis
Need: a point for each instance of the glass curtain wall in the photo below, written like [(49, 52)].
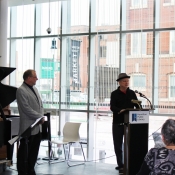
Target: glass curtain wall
[(78, 62)]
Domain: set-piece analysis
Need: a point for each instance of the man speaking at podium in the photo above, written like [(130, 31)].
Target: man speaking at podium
[(120, 100), (30, 109)]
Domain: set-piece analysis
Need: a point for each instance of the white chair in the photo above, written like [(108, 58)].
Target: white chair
[(70, 136)]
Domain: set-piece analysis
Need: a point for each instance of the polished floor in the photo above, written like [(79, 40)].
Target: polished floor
[(89, 168)]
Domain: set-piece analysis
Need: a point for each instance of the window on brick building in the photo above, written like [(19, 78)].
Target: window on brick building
[(139, 43), (172, 42), (172, 86), (139, 81), (167, 1), (139, 3), (103, 51)]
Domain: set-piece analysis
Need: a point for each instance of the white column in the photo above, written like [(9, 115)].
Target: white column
[(156, 52), (122, 67), (3, 32)]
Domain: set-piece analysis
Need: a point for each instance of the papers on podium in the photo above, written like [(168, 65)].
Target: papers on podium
[(12, 141)]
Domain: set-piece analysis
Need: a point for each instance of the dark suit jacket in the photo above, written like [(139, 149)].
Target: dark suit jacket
[(119, 101)]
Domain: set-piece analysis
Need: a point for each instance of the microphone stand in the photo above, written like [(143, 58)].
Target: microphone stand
[(142, 95)]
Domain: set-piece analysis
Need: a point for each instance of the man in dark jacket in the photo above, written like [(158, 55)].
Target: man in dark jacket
[(120, 100)]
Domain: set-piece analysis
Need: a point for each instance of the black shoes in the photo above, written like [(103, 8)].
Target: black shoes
[(119, 168)]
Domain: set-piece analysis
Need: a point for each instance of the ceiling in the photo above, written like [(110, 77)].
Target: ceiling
[(25, 2)]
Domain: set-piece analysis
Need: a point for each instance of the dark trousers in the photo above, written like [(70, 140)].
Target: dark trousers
[(33, 149), (118, 133)]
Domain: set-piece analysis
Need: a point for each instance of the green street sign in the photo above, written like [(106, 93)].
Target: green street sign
[(48, 67)]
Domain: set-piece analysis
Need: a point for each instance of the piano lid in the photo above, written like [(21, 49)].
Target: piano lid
[(5, 71), (7, 93)]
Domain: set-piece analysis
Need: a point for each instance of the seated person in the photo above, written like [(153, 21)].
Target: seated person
[(161, 160)]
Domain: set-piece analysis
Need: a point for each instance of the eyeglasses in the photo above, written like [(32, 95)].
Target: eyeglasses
[(34, 77)]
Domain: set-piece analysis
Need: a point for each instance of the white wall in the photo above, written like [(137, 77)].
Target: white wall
[(3, 32)]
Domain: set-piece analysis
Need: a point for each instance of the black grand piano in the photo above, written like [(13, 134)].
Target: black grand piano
[(10, 124)]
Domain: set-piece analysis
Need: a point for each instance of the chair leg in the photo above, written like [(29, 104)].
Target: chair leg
[(52, 155), (51, 159), (65, 156), (71, 165), (50, 152), (83, 152)]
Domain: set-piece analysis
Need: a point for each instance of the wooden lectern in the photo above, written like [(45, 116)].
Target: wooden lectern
[(136, 139)]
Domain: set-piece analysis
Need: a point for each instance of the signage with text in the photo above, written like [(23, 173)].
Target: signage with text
[(75, 68), (137, 117), (48, 66)]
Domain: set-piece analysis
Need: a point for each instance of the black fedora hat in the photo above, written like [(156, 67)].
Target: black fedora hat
[(122, 76)]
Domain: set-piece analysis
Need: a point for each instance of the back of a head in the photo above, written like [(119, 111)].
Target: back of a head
[(168, 131)]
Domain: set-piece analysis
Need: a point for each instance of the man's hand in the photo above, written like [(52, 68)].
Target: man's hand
[(41, 121), (121, 111)]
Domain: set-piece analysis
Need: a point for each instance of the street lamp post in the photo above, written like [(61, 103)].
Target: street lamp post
[(53, 46)]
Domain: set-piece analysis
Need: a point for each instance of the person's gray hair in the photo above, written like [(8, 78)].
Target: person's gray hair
[(168, 131), (28, 73)]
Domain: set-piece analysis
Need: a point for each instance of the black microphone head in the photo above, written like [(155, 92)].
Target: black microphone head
[(136, 91)]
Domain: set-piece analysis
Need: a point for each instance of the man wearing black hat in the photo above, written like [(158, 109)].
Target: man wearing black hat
[(120, 100)]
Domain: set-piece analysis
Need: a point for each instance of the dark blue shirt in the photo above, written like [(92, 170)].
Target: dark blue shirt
[(31, 87)]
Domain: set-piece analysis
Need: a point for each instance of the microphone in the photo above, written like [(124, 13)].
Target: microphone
[(136, 101), (139, 93)]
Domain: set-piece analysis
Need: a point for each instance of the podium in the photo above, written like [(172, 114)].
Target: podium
[(135, 139)]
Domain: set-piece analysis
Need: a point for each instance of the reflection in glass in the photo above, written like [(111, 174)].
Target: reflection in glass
[(75, 62)]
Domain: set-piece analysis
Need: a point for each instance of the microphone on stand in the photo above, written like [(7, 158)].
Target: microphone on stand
[(142, 95), (138, 102), (139, 93)]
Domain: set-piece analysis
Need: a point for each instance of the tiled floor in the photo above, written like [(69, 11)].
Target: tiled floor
[(89, 168)]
